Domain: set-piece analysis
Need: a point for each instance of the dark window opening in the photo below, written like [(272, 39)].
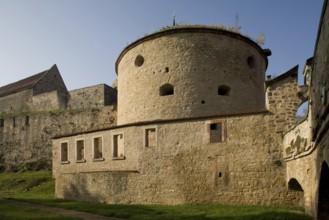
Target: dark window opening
[(167, 69), (150, 137), (203, 101), (224, 90), (166, 89), (216, 132), (139, 61), (251, 62), (220, 174), (293, 184), (2, 123), (64, 152), (14, 122), (98, 148), (27, 120)]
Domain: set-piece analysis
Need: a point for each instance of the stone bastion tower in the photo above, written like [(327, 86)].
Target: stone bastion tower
[(190, 72), (193, 126)]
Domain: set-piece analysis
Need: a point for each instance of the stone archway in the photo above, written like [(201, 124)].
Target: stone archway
[(323, 203)]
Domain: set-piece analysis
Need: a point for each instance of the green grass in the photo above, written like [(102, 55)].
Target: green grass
[(10, 212), (38, 187)]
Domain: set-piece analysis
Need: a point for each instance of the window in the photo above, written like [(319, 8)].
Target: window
[(224, 90), (27, 120), (14, 122), (98, 148), (293, 184), (251, 62), (118, 146), (150, 137), (2, 123), (139, 61), (64, 152), (80, 149), (166, 89), (216, 132)]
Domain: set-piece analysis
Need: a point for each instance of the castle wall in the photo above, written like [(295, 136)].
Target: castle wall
[(183, 163), (92, 97), (319, 103), (189, 73), (282, 98), (47, 101), (26, 137), (18, 102), (52, 81)]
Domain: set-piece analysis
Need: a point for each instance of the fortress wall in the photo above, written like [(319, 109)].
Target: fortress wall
[(210, 73), (18, 102), (282, 98), (47, 101), (92, 97), (243, 166), (50, 82), (29, 140)]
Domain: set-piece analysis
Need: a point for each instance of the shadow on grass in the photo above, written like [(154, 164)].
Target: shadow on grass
[(180, 212)]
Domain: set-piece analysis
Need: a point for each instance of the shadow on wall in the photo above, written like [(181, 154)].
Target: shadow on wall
[(323, 200)]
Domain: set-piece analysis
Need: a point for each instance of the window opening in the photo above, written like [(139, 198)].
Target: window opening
[(64, 152), (251, 62), (139, 61), (224, 90), (98, 148), (2, 123), (14, 122), (80, 146), (27, 120), (118, 146), (166, 89), (293, 184), (150, 137), (216, 132)]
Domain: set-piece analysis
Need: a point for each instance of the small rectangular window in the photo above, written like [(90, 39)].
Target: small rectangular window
[(150, 137), (64, 152), (216, 132), (2, 123), (118, 146), (98, 148), (27, 120), (14, 122), (80, 149)]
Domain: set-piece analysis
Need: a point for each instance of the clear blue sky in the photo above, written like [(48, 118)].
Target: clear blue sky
[(85, 37)]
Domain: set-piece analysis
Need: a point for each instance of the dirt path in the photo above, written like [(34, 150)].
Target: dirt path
[(66, 212)]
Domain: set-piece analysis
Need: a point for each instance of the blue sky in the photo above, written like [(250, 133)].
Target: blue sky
[(85, 37)]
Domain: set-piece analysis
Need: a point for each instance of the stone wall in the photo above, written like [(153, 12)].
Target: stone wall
[(18, 102), (194, 72), (26, 137), (92, 97), (319, 104), (245, 166), (282, 98)]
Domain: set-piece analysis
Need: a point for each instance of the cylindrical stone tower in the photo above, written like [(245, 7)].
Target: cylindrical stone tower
[(187, 72)]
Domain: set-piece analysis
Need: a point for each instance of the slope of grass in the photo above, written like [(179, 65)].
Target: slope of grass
[(38, 187)]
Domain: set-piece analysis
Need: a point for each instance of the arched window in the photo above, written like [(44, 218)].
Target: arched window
[(166, 89)]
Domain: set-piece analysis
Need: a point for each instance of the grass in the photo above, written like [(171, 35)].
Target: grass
[(38, 187), (10, 212)]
